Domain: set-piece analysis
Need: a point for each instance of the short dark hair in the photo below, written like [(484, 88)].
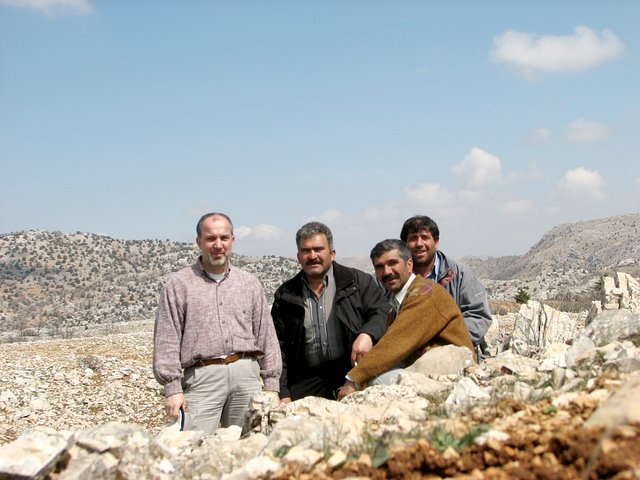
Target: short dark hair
[(417, 223), (314, 228), (390, 244), (212, 214)]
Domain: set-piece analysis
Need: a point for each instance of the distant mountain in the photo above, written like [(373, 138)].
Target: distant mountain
[(71, 281), (568, 259), (582, 248)]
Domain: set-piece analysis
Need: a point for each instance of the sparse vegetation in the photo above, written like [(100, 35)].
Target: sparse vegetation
[(376, 446), (90, 361), (55, 284), (441, 439), (522, 296)]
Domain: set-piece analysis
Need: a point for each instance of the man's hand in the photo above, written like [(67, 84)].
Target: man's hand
[(285, 400), (173, 403), (348, 388), (361, 345)]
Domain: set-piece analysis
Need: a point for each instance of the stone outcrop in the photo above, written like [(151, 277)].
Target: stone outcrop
[(537, 326), (620, 291)]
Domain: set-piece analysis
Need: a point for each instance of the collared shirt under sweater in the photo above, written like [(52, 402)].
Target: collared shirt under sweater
[(428, 317)]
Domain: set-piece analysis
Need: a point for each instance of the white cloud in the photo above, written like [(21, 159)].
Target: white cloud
[(479, 169), (262, 231), (435, 195), (437, 200), (242, 231), (80, 7), (518, 208), (583, 131), (428, 194), (552, 53), (327, 216), (267, 232), (262, 239), (197, 210), (582, 184), (384, 213), (532, 173), (542, 135)]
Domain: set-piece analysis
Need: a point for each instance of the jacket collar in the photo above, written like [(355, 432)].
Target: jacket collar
[(343, 277)]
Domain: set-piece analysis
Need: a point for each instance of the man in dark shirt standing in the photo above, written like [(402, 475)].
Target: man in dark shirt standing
[(326, 317)]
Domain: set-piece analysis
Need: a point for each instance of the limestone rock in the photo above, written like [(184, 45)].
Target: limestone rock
[(620, 291), (34, 454), (446, 360), (465, 393), (538, 326), (622, 407)]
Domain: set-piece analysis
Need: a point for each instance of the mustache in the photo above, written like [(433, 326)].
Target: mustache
[(314, 262), (391, 276)]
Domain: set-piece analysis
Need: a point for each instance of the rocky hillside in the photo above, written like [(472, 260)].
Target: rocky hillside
[(567, 261), (572, 249), (62, 285), (67, 283)]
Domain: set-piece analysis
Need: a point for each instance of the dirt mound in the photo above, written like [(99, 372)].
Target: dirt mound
[(545, 444)]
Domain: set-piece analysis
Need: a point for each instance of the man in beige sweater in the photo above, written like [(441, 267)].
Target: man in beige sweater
[(427, 317)]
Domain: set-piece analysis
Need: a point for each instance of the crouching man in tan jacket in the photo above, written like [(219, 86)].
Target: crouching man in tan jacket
[(426, 316)]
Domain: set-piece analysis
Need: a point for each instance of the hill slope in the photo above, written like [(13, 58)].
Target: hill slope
[(567, 259), (590, 247), (70, 281)]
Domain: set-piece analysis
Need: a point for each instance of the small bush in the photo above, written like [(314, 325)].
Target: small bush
[(441, 439), (90, 361), (522, 296)]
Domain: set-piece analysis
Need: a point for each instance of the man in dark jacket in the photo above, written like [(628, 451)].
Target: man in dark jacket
[(326, 317)]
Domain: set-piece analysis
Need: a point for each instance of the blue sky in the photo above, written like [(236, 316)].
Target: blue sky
[(499, 119)]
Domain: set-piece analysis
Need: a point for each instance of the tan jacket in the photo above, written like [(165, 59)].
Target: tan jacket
[(428, 317)]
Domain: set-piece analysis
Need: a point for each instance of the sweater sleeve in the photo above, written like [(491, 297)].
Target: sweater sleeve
[(167, 337)]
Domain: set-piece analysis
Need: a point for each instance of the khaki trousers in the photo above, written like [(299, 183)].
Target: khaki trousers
[(219, 395)]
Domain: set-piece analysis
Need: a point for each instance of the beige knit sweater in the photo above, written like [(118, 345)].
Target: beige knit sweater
[(428, 317)]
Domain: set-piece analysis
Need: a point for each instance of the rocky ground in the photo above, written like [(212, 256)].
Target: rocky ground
[(80, 382), (562, 402)]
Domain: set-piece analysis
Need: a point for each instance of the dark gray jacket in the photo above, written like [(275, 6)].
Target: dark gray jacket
[(360, 307)]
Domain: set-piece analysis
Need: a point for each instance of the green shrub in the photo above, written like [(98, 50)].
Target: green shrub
[(522, 296)]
